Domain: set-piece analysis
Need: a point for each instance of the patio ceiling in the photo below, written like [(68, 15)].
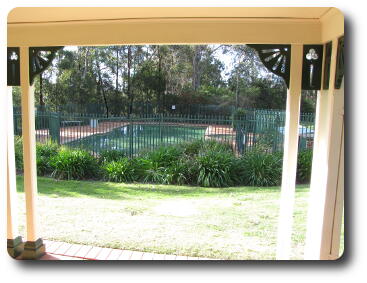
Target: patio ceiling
[(121, 25)]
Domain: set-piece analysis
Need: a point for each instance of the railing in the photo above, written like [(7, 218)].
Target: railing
[(134, 134)]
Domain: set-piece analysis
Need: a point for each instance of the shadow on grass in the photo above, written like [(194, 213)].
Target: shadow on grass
[(107, 190)]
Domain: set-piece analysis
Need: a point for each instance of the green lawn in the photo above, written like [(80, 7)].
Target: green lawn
[(226, 223)]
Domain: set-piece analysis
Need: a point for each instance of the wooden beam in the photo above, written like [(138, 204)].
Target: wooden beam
[(166, 31)]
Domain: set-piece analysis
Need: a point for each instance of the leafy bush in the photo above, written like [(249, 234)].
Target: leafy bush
[(214, 169), (44, 153), (156, 175), (200, 146), (163, 156), (304, 166), (261, 169), (123, 170), (192, 148), (183, 171), (267, 139), (18, 147), (209, 146), (74, 165), (110, 155)]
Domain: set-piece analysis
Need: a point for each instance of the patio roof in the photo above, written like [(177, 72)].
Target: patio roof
[(66, 14)]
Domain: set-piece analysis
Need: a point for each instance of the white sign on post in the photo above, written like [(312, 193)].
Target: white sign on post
[(173, 107)]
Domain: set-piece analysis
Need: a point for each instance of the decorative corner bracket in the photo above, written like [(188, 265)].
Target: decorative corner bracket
[(327, 62), (40, 58), (276, 58), (312, 67), (13, 72), (339, 73)]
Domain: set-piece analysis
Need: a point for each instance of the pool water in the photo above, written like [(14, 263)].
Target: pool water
[(135, 138)]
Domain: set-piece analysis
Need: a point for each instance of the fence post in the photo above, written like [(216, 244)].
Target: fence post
[(131, 137), (160, 128), (54, 126)]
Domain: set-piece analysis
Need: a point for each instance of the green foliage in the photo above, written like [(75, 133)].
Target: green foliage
[(267, 138), (201, 146), (183, 171), (203, 163), (212, 145), (18, 147), (237, 116), (192, 148), (123, 170), (110, 155), (74, 165), (45, 152), (163, 156), (261, 169), (214, 169), (156, 175), (304, 166), (170, 74)]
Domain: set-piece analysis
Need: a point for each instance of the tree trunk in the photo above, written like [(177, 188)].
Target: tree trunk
[(196, 67), (117, 71), (129, 93), (100, 83), (42, 103), (159, 94)]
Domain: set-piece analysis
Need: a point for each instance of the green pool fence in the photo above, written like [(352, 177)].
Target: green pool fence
[(137, 133)]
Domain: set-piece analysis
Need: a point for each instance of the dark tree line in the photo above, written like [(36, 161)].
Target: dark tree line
[(119, 77)]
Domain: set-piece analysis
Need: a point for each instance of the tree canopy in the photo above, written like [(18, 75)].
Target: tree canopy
[(121, 77)]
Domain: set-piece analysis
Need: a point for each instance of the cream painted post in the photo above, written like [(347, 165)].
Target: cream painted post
[(29, 145), (327, 186), (339, 206), (290, 154)]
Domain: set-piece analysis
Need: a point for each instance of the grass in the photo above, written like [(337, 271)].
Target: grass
[(225, 223), (143, 137)]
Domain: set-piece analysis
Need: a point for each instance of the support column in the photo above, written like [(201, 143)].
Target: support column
[(34, 247), (290, 155), (327, 177), (14, 240)]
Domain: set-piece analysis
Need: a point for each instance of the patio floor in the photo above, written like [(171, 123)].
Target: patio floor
[(66, 251)]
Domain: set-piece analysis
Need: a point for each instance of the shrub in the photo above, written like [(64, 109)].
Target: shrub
[(192, 148), (156, 175), (214, 169), (44, 153), (110, 155), (163, 156), (183, 171), (74, 164), (209, 146), (126, 170), (123, 170), (18, 147), (262, 169), (195, 147), (304, 165)]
